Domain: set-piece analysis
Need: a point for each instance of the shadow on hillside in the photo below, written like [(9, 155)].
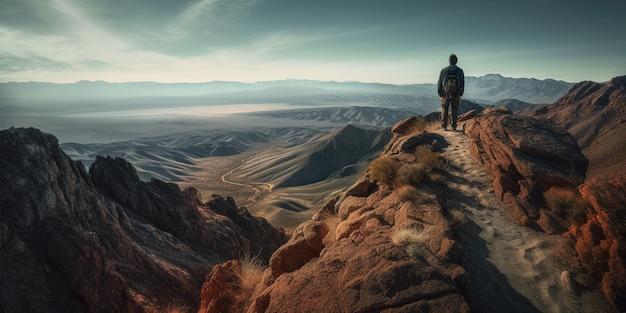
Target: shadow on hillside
[(488, 288)]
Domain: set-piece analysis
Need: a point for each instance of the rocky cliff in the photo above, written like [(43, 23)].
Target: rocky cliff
[(600, 241), (104, 241)]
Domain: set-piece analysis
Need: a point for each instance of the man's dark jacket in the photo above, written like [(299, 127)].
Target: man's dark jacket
[(442, 78)]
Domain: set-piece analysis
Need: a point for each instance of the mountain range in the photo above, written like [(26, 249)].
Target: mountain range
[(486, 89)]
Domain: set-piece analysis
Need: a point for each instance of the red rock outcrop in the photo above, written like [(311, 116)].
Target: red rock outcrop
[(600, 242), (221, 290), (526, 157), (367, 250), (107, 242)]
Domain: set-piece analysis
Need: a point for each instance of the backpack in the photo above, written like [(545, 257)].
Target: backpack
[(451, 84)]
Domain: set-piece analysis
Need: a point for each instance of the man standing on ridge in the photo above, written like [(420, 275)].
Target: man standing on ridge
[(450, 89)]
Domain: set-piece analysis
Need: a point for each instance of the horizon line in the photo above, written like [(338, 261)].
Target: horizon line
[(276, 80)]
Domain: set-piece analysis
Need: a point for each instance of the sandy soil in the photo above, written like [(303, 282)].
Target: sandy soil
[(512, 268)]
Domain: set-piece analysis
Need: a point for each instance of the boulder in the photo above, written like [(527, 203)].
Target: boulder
[(526, 157), (304, 245)]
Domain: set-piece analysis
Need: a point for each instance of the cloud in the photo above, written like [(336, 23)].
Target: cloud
[(204, 13)]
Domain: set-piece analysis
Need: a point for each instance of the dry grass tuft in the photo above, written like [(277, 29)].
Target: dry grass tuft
[(407, 193), (176, 308), (406, 236), (332, 221), (383, 170), (567, 203), (396, 174), (251, 272), (456, 218), (431, 160), (418, 126), (433, 125), (411, 174)]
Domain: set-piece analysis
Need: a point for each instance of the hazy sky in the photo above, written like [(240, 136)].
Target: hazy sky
[(390, 41)]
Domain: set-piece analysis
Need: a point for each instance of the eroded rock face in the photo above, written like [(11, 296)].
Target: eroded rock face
[(367, 250), (600, 242), (47, 262), (219, 292), (525, 158), (107, 242)]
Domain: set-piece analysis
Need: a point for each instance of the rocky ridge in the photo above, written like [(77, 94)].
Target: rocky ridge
[(350, 256), (364, 251), (105, 241)]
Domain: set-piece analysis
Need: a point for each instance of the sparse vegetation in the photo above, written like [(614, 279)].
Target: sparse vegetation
[(396, 174), (176, 308), (411, 174), (456, 218), (418, 126), (251, 272), (407, 236), (408, 193), (567, 203), (433, 125), (331, 220), (383, 170), (431, 160)]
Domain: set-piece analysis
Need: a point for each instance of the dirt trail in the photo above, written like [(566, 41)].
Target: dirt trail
[(512, 268), (258, 189)]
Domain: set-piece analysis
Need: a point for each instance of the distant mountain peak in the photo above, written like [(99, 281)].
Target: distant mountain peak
[(491, 88), (618, 82)]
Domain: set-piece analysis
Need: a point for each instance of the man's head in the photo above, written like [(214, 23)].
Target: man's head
[(453, 59)]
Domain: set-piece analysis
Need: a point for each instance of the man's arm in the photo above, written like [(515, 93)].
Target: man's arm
[(462, 82), (439, 84)]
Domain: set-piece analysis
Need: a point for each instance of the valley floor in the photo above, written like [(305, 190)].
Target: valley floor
[(285, 207), (512, 268)]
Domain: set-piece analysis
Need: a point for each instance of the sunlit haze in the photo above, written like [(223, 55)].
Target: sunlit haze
[(401, 42)]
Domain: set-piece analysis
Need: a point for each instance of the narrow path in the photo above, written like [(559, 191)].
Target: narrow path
[(258, 191), (512, 268)]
